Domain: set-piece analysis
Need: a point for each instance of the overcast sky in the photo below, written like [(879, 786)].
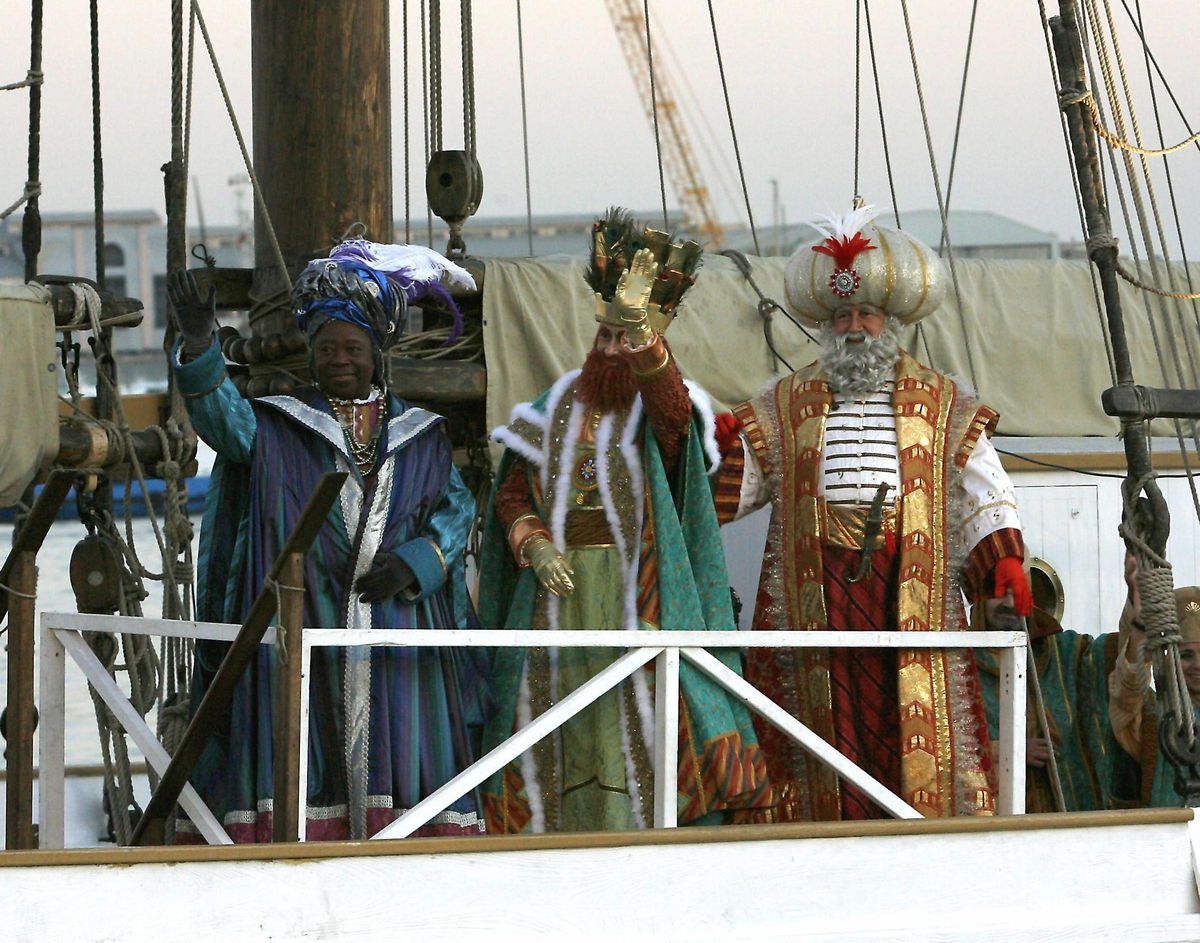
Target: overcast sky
[(790, 67)]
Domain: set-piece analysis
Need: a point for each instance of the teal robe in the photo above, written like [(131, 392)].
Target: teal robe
[(1073, 670), (677, 561)]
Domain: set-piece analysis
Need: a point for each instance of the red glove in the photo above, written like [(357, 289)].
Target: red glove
[(1010, 574), (728, 427)]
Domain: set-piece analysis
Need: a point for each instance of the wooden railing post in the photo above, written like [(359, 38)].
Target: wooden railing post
[(22, 593), (288, 805)]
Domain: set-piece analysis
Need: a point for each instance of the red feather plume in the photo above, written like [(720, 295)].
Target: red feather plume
[(844, 249)]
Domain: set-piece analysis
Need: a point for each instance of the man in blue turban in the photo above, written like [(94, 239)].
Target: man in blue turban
[(387, 726)]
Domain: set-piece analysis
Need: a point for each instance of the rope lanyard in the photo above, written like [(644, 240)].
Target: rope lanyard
[(737, 152), (662, 184), (524, 128)]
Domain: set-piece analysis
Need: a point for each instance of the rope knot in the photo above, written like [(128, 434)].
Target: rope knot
[(1073, 96)]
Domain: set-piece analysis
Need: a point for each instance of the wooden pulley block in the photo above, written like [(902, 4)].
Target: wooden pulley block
[(96, 575), (454, 185)]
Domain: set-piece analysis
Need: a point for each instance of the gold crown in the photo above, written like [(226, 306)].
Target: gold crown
[(616, 237)]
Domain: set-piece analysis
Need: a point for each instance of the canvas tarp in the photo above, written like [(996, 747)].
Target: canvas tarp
[(28, 388), (1032, 327)]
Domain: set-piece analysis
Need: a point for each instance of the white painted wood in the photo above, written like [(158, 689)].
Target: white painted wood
[(518, 743), (134, 724), (52, 698), (1012, 664), (759, 702), (130, 625), (666, 738), (305, 694), (1121, 883), (584, 638)]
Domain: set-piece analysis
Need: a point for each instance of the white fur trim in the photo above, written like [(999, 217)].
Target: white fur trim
[(510, 440), (530, 415), (533, 790), (631, 783), (557, 391), (702, 403), (645, 706), (558, 513), (631, 452)]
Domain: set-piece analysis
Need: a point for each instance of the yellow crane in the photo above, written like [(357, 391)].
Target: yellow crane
[(678, 157)]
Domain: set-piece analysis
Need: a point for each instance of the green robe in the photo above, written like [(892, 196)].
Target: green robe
[(1073, 670), (667, 570)]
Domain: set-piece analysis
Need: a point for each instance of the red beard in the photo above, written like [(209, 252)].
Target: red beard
[(606, 383)]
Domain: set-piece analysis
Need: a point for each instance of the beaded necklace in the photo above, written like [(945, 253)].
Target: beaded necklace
[(358, 419)]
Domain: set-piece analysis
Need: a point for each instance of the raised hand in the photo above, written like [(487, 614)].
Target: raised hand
[(197, 317), (632, 297)]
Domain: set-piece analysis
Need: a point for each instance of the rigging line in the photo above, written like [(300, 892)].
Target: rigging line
[(31, 221), (176, 169), (1187, 336), (1062, 118), (237, 130), (937, 187), (1148, 241), (1146, 236), (187, 108), (425, 111), (1154, 61), (435, 75), (407, 146), (1070, 468), (712, 19), (524, 128), (962, 97), (887, 154), (1101, 56), (97, 151), (857, 92), (662, 184), (468, 71), (1138, 26)]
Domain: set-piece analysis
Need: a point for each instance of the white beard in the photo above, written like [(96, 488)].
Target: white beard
[(861, 367)]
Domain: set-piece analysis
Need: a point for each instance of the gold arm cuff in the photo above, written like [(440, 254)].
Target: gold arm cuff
[(655, 370), (519, 532), (519, 552)]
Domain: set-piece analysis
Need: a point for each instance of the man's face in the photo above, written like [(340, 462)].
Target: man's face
[(608, 340), (1189, 657), (858, 321), (343, 360)]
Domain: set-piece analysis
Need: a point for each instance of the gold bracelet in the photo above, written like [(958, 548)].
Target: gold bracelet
[(655, 370), (527, 516)]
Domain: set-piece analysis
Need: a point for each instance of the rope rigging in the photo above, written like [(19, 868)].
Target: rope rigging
[(1086, 43)]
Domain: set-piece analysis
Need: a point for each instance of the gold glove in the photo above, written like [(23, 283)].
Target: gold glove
[(633, 296), (551, 567)]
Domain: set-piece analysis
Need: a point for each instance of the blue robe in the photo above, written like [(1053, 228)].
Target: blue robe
[(387, 726)]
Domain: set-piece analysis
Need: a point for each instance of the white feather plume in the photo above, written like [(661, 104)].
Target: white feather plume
[(843, 227)]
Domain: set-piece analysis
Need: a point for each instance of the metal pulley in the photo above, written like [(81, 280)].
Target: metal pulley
[(454, 187), (96, 575)]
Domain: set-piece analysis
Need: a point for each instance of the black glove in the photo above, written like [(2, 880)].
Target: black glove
[(388, 576), (196, 316)]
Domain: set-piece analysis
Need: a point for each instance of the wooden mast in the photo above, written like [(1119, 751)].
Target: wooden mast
[(322, 134)]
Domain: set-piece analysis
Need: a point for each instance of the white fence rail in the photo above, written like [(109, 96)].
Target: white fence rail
[(61, 634)]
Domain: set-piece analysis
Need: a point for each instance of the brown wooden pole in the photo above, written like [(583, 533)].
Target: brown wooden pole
[(215, 704), (288, 805), (322, 132), (22, 593)]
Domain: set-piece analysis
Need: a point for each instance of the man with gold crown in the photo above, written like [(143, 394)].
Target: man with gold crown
[(602, 519), (387, 726), (887, 498)]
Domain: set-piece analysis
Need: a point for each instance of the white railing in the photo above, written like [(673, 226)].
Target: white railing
[(61, 635)]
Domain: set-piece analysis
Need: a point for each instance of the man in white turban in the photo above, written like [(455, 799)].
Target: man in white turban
[(887, 500)]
